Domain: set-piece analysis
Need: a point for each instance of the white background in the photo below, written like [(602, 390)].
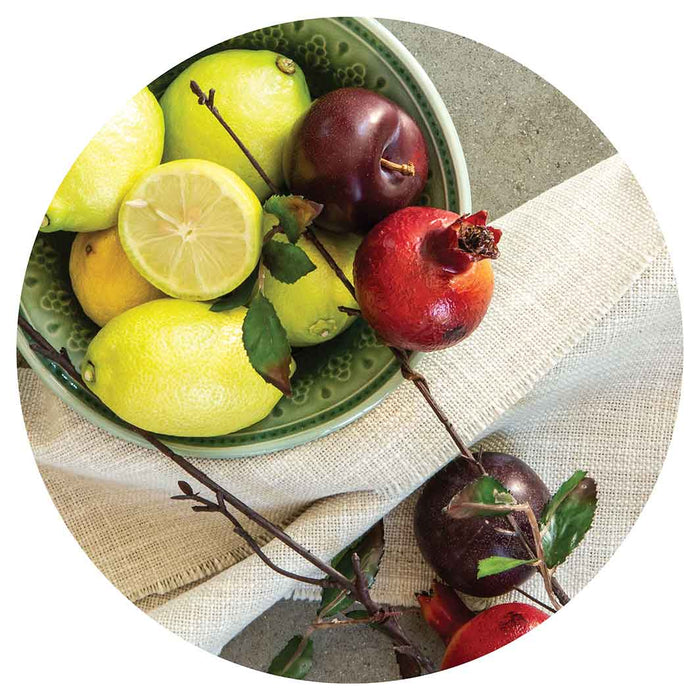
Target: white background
[(66, 66)]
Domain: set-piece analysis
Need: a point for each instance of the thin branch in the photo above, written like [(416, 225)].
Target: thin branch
[(61, 360), (220, 507), (208, 101), (544, 570), (378, 618), (350, 311), (402, 645), (389, 626), (469, 508), (535, 600)]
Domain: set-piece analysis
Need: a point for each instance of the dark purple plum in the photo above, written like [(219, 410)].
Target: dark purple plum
[(351, 152), (454, 547)]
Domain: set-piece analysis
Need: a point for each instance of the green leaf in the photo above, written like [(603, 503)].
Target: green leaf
[(294, 661), (497, 565), (240, 296), (569, 522), (266, 344), (295, 213), (485, 490), (370, 549), (286, 261), (564, 490)]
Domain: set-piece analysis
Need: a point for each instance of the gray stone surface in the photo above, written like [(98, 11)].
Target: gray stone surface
[(520, 137)]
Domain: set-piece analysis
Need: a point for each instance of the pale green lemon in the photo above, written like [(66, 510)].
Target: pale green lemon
[(175, 367), (192, 228), (308, 309), (88, 199), (260, 94)]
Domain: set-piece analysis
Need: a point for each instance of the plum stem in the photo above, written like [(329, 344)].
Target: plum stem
[(404, 168)]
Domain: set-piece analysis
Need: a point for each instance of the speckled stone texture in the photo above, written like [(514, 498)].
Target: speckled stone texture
[(520, 137)]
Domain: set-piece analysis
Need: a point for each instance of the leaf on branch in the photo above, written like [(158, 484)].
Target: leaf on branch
[(185, 488), (497, 565), (240, 296), (286, 261), (485, 490), (295, 660), (266, 344), (564, 490), (569, 522), (294, 213), (370, 549)]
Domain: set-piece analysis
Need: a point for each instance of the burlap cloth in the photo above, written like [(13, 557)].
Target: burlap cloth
[(577, 365)]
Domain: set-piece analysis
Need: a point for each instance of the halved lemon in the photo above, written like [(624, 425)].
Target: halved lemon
[(192, 228)]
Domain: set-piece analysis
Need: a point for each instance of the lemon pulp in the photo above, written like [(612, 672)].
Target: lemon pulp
[(192, 228)]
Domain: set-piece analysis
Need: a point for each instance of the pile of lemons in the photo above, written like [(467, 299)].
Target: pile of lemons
[(167, 211)]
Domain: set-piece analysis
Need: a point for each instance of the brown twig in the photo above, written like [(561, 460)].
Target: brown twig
[(390, 627), (220, 507), (402, 645), (378, 618), (542, 604), (60, 359), (208, 101)]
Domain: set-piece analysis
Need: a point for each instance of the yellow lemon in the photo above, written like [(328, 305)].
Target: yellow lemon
[(308, 308), (175, 367), (88, 199), (104, 281), (260, 94), (192, 228)]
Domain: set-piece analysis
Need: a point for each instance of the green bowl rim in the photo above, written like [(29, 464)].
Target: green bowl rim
[(396, 53)]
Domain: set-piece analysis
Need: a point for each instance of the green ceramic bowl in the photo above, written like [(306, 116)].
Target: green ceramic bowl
[(335, 382)]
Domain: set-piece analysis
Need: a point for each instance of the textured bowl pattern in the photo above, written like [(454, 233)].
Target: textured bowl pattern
[(335, 382)]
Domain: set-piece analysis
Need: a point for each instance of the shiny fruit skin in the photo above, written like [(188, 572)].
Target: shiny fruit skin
[(175, 367), (333, 157), (260, 100), (130, 143), (404, 290), (443, 610), (308, 308), (104, 281), (490, 630), (453, 547)]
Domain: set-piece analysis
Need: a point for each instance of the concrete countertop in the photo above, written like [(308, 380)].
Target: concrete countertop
[(520, 137)]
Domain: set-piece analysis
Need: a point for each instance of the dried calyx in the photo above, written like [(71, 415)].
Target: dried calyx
[(464, 242), (475, 238)]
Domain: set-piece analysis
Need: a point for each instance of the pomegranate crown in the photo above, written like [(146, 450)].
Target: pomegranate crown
[(466, 241)]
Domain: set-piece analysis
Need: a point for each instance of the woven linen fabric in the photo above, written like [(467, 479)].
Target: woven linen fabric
[(577, 364)]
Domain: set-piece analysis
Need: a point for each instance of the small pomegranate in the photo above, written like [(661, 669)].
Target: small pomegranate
[(490, 630), (443, 610), (468, 635), (423, 276)]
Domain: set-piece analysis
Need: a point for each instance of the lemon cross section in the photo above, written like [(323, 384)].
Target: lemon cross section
[(192, 228)]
